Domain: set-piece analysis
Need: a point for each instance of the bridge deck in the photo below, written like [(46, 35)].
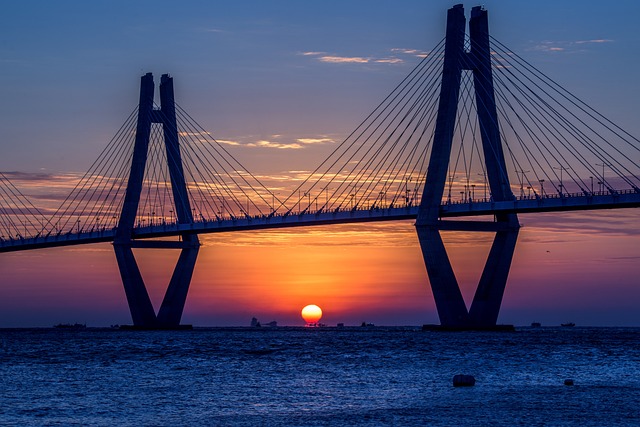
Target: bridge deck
[(573, 202)]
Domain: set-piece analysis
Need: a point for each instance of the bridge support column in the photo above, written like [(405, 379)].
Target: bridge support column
[(140, 306), (488, 297)]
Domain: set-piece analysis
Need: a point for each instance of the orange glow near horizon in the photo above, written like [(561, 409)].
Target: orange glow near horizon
[(370, 273)]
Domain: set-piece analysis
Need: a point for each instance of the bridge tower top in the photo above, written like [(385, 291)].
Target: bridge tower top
[(478, 60), (147, 115)]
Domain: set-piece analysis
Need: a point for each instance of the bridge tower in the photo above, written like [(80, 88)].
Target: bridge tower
[(450, 304), (142, 312)]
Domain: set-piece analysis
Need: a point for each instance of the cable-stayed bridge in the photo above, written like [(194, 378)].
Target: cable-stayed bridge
[(472, 137)]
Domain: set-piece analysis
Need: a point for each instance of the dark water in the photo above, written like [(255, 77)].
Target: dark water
[(315, 377)]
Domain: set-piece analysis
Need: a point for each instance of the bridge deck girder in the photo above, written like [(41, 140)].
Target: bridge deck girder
[(629, 199)]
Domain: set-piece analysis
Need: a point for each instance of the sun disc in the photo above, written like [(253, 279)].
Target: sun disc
[(311, 313)]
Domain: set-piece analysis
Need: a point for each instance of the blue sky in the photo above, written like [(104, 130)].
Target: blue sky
[(267, 74), (70, 69)]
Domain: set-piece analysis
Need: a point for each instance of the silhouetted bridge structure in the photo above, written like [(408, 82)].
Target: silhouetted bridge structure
[(441, 149)]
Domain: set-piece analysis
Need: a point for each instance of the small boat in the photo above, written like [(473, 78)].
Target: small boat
[(70, 326), (568, 325), (535, 324)]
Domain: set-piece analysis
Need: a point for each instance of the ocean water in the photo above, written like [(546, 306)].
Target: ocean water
[(317, 377)]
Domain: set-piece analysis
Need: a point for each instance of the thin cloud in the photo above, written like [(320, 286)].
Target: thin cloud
[(413, 52), (567, 46), (227, 142), (271, 144), (344, 59), (594, 41), (390, 61), (29, 176), (309, 141), (341, 59)]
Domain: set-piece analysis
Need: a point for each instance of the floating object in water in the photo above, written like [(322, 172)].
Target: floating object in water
[(568, 381), (536, 324), (568, 325), (463, 380)]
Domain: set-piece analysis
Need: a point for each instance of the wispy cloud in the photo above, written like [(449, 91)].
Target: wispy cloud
[(389, 61), (413, 52), (228, 142), (567, 46), (29, 176), (310, 141), (282, 142), (344, 59), (270, 144), (594, 41)]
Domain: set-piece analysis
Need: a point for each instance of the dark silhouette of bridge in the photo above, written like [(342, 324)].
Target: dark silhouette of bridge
[(441, 149)]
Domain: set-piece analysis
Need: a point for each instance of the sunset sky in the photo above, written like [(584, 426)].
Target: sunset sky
[(287, 80)]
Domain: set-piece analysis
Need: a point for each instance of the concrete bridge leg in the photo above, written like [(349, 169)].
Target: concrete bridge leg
[(140, 306), (175, 298), (488, 297), (444, 285), (142, 312)]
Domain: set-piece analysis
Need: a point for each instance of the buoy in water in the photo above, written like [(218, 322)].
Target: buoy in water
[(463, 380)]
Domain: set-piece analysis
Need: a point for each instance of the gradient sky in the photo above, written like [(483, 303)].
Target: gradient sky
[(269, 74)]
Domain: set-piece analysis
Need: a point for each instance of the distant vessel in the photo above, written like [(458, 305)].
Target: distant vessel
[(70, 326), (568, 325), (536, 324)]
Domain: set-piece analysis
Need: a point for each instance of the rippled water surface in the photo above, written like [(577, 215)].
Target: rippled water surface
[(359, 376)]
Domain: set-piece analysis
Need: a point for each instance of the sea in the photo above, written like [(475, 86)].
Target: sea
[(351, 376)]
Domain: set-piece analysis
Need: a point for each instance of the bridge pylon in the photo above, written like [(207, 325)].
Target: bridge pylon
[(450, 304), (142, 311)]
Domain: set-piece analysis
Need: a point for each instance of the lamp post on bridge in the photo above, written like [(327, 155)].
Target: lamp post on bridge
[(406, 191), (521, 180), (541, 188), (484, 185), (561, 168), (602, 181), (383, 194)]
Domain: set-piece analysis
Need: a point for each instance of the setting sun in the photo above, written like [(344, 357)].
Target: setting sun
[(311, 313)]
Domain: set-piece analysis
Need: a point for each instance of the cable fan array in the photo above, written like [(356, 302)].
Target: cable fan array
[(382, 163), (218, 186), (555, 145), (19, 218)]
